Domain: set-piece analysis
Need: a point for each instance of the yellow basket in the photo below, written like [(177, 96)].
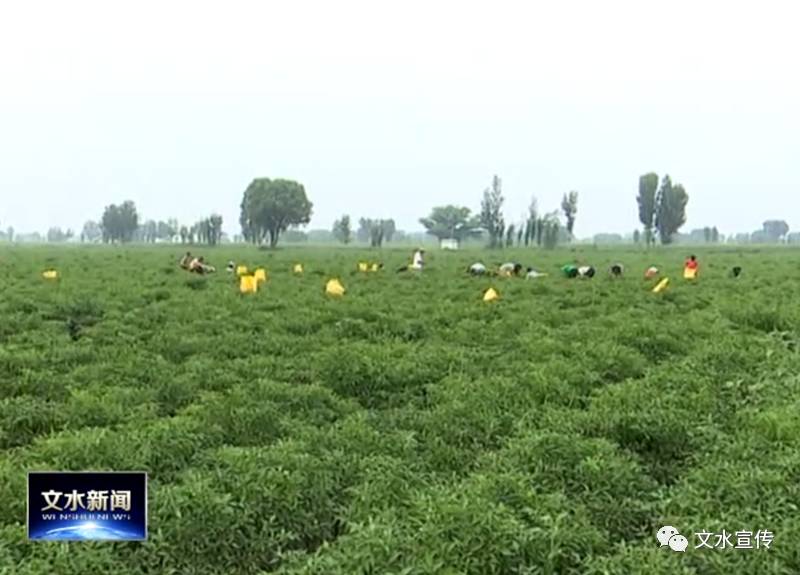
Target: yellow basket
[(248, 284), (490, 295), (334, 287)]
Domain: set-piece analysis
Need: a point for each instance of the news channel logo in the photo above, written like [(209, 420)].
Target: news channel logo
[(87, 506)]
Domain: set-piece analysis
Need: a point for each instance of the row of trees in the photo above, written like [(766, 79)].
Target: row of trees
[(370, 230), (121, 224), (271, 208), (206, 231), (661, 209), (771, 232), (458, 223)]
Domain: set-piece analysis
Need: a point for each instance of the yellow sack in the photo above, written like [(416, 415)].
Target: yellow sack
[(50, 275), (248, 284), (241, 270), (260, 275), (490, 295), (363, 266), (689, 273), (661, 286), (298, 268), (375, 267), (334, 287)]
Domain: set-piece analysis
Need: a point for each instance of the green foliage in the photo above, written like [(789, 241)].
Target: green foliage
[(569, 205), (492, 213), (269, 207), (549, 228), (407, 427), (648, 185), (208, 230), (342, 230), (775, 230), (374, 231), (119, 223), (670, 209), (451, 222)]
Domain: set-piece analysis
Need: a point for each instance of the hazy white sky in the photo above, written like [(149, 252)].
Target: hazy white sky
[(388, 109)]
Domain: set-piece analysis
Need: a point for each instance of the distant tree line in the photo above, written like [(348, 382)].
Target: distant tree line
[(272, 209), (453, 222), (122, 224)]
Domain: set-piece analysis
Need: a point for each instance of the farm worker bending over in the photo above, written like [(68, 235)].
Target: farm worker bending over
[(186, 260), (533, 274), (477, 269), (570, 271), (199, 266), (586, 271), (736, 271), (690, 268), (509, 269), (616, 270), (416, 261)]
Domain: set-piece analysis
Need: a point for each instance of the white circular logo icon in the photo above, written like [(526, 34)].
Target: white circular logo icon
[(663, 535)]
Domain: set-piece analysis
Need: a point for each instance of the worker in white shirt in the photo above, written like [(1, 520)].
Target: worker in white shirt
[(417, 261), (477, 269)]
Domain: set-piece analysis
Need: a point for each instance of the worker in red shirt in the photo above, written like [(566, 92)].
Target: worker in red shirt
[(690, 268)]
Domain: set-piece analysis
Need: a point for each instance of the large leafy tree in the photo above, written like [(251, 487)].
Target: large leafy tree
[(648, 186), (774, 230), (451, 222), (269, 207), (120, 222), (671, 203), (492, 213), (569, 205), (342, 230), (91, 232)]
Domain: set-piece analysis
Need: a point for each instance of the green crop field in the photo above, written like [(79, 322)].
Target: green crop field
[(407, 427)]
